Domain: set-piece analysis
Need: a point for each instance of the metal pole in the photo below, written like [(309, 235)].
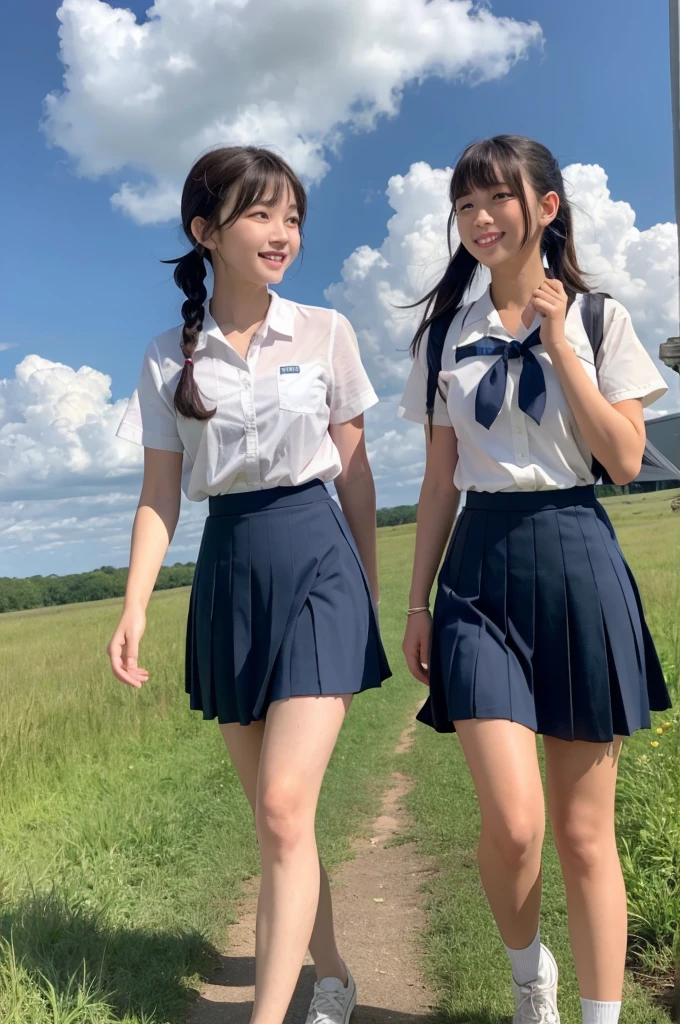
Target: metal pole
[(669, 351)]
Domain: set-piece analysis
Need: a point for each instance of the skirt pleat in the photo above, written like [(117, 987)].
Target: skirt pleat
[(620, 624), (552, 656), (280, 606), (538, 621), (586, 595), (521, 592)]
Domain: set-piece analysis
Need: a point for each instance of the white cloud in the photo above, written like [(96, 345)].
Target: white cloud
[(145, 99), (68, 486), (376, 282), (639, 268), (57, 433), (76, 534)]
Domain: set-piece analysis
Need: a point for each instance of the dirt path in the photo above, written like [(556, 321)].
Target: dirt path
[(378, 921)]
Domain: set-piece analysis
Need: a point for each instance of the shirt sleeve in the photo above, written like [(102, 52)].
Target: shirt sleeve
[(352, 392), (413, 404), (150, 418), (624, 367)]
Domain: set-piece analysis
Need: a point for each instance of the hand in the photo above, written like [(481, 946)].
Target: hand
[(550, 302), (123, 649), (416, 645)]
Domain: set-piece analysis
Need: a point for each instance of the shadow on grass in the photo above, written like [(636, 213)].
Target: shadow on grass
[(137, 972), (220, 1004), (143, 974)]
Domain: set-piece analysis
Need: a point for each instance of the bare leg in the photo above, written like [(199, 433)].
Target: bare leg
[(322, 945), (581, 789), (244, 744), (503, 761), (299, 736)]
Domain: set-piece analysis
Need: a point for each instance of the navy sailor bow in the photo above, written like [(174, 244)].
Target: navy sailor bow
[(491, 388)]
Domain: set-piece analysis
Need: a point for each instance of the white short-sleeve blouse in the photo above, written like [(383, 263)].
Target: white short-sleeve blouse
[(516, 453), (303, 371)]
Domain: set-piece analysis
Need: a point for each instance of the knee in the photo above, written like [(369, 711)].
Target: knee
[(515, 839), (280, 819), (582, 848)]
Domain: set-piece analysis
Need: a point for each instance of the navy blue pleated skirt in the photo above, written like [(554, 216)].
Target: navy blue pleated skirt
[(280, 605), (538, 620)]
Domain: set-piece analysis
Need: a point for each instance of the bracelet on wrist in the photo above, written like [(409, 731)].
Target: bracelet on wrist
[(414, 611)]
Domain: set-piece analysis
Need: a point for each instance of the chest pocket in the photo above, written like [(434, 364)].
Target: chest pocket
[(301, 387)]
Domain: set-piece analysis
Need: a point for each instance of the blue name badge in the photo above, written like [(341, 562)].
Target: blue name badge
[(289, 369)]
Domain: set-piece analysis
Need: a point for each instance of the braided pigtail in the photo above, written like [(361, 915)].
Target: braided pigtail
[(190, 273)]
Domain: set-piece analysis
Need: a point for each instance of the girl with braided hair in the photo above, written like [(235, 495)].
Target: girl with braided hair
[(537, 625), (255, 403)]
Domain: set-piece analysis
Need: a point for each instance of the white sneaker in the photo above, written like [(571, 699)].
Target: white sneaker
[(332, 1002), (536, 1003)]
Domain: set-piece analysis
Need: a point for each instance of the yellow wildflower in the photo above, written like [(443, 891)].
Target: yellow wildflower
[(659, 732), (655, 743)]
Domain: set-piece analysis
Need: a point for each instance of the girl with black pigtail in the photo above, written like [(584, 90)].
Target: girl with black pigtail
[(254, 404), (537, 624)]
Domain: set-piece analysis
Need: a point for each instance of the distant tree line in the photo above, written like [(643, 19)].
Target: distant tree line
[(397, 515), (45, 591)]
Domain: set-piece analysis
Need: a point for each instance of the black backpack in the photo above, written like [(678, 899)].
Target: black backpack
[(592, 314)]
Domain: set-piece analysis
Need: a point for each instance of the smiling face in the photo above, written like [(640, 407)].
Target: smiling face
[(261, 243), (493, 225)]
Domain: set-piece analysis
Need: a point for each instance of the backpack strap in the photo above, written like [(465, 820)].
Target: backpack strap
[(438, 330), (592, 315)]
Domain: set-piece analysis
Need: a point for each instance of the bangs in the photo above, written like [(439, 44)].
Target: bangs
[(264, 182), (485, 164)]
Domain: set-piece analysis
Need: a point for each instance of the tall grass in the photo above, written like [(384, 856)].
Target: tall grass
[(124, 835), (464, 954), (648, 796)]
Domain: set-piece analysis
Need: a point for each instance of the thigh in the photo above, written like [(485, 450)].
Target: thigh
[(244, 743), (299, 737), (581, 785), (503, 761)]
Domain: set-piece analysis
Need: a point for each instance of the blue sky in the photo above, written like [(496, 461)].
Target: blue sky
[(84, 282)]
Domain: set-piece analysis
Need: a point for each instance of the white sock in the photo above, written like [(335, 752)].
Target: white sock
[(595, 1012), (524, 962)]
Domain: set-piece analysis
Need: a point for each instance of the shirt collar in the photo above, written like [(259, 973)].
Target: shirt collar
[(279, 317), (279, 320), (482, 318)]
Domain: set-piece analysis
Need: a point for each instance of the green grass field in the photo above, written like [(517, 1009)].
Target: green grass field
[(465, 958), (125, 838)]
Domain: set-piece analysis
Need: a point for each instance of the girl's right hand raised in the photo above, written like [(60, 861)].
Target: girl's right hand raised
[(123, 648), (416, 645)]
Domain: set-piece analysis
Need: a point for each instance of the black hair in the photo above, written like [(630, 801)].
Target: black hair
[(246, 175), (508, 159)]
